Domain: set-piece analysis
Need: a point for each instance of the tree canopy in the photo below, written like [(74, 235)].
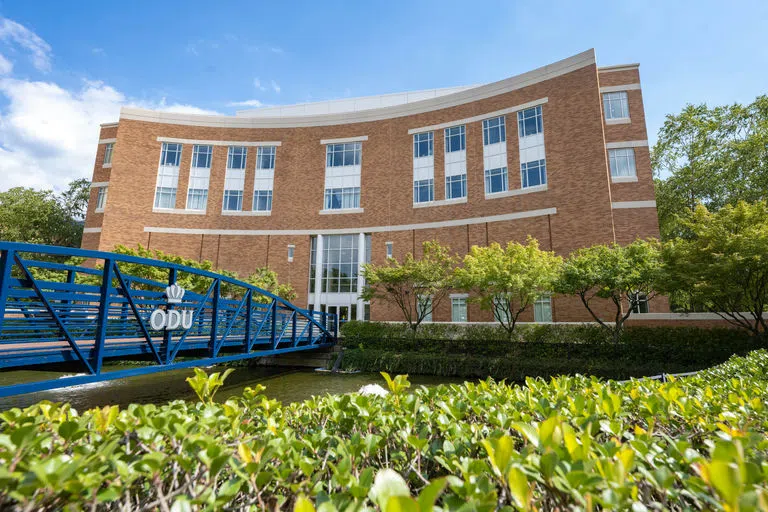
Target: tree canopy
[(508, 280), (723, 266), (43, 217), (623, 275), (415, 286), (710, 156)]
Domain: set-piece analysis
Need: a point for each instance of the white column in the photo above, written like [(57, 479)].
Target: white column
[(318, 270), (360, 262)]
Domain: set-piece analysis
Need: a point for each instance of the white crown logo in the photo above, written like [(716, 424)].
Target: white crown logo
[(174, 293)]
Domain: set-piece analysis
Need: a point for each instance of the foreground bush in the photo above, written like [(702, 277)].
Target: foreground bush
[(571, 443)]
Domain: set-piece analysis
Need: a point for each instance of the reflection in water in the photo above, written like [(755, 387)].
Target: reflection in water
[(284, 384)]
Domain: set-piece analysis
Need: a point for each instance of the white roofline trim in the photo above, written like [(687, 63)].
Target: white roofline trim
[(618, 67), (91, 230), (373, 229), (621, 205), (473, 119), (361, 138), (107, 141), (99, 184), (541, 74), (618, 88), (109, 125), (219, 142), (626, 144)]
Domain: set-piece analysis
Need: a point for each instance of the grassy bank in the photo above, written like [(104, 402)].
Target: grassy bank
[(571, 443)]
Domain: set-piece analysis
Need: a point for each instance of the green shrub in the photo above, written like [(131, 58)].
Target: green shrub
[(571, 443)]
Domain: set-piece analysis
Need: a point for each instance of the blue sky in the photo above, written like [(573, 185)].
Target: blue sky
[(75, 63)]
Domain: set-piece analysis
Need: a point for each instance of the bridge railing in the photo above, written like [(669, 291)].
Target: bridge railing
[(63, 304)]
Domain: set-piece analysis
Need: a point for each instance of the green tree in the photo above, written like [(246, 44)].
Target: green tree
[(622, 275), (37, 216), (75, 199), (416, 286), (507, 281), (264, 277), (713, 156), (723, 266)]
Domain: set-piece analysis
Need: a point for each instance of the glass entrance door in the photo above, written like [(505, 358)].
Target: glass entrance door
[(343, 312)]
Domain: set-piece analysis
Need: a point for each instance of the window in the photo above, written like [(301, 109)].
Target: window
[(616, 105), (340, 198), (108, 153), (533, 173), (529, 121), (170, 155), (291, 249), (236, 157), (199, 176), (622, 162), (495, 180), (455, 139), (639, 303), (168, 175), (494, 131), (262, 200), (542, 309), (265, 157), (234, 180), (101, 198), (338, 155), (423, 191), (340, 265), (456, 186), (458, 309), (423, 144), (501, 312), (424, 307), (389, 249)]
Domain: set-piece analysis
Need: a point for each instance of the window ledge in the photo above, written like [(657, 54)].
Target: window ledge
[(178, 211), (623, 179), (516, 192), (252, 213), (441, 202), (98, 210), (106, 166), (341, 211), (618, 120)]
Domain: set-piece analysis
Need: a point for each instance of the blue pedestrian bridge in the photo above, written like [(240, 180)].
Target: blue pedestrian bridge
[(66, 305)]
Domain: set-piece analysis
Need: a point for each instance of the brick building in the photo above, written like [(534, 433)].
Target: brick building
[(559, 153)]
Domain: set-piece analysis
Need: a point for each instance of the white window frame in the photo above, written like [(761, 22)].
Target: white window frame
[(494, 124), (523, 116), (457, 178), (199, 175), (625, 155), (455, 138), (461, 300), (168, 176), (419, 139), (291, 251), (490, 174), (344, 174), (234, 179), (428, 184), (108, 150), (101, 199), (263, 185), (541, 166), (641, 303), (538, 305), (389, 246), (428, 316), (619, 99)]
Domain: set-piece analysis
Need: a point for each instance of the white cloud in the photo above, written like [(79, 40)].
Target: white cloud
[(6, 66), (98, 51), (257, 84), (276, 50), (276, 87), (12, 32), (246, 103)]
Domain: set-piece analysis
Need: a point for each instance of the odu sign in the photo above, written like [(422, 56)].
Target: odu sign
[(171, 319)]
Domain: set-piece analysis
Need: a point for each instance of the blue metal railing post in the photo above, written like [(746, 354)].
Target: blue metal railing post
[(293, 328), (167, 335), (273, 332), (214, 317), (249, 312), (311, 317), (6, 263), (101, 330)]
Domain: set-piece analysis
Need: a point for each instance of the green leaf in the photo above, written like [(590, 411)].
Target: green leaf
[(386, 484)]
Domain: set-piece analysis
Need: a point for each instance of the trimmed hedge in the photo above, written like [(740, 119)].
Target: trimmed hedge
[(541, 350)]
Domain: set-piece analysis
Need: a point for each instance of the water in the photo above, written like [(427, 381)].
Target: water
[(284, 384)]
